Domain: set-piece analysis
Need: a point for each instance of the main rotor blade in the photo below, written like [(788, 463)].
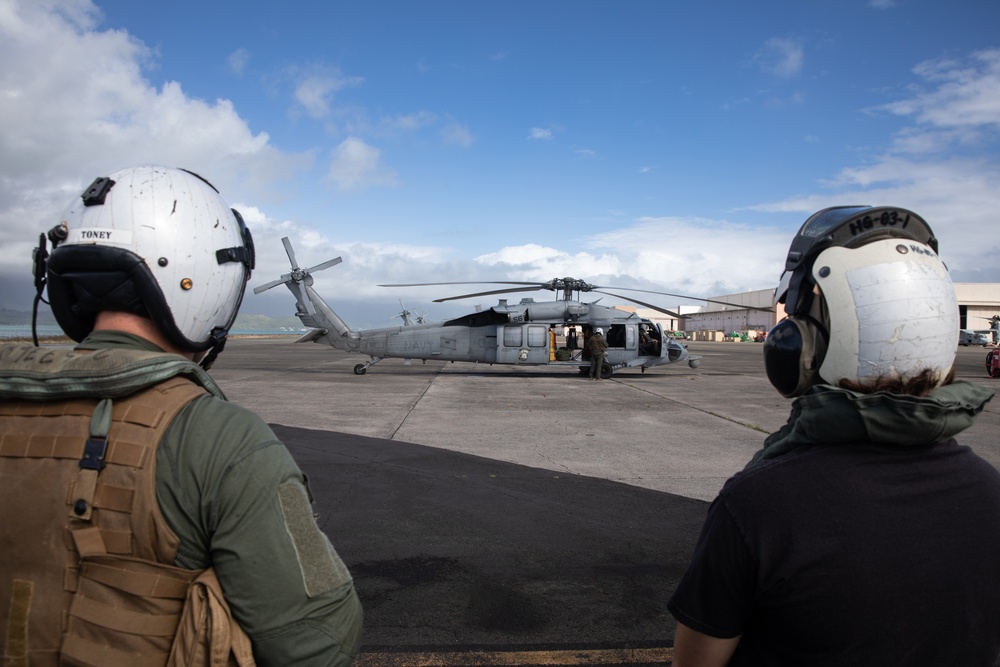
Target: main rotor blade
[(642, 303), (580, 285), (325, 265), (468, 282), (496, 291), (288, 251), (685, 296), (264, 288), (274, 283)]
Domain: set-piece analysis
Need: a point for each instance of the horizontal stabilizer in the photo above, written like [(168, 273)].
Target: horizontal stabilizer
[(311, 335)]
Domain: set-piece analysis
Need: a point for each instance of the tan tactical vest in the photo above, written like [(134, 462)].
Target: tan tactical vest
[(86, 574)]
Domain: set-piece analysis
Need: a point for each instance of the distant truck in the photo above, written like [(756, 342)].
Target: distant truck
[(970, 337)]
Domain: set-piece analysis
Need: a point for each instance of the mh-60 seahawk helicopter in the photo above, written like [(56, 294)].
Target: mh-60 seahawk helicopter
[(527, 333)]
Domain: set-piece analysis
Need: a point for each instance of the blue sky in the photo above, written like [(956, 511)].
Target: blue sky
[(662, 145)]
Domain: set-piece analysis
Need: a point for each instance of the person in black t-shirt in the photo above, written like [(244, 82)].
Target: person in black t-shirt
[(861, 533)]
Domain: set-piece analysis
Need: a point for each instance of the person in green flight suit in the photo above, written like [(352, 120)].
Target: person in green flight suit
[(147, 273), (597, 346)]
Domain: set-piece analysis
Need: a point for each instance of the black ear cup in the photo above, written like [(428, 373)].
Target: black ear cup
[(793, 352)]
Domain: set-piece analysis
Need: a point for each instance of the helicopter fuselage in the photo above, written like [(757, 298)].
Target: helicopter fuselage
[(527, 333)]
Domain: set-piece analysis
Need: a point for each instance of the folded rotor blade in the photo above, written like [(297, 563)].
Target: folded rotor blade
[(685, 296), (325, 265), (641, 303), (273, 283), (467, 282), (496, 291), (288, 251)]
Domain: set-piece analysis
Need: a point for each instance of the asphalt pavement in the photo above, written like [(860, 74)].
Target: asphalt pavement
[(501, 515)]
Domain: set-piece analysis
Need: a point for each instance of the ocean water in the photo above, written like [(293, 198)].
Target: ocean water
[(8, 331)]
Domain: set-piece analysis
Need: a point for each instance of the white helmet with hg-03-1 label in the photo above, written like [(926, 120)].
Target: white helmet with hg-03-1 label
[(868, 299)]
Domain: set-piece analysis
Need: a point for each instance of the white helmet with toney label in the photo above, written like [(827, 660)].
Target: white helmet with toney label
[(868, 299), (153, 241)]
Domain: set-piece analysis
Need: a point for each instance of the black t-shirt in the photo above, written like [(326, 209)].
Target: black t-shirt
[(852, 555)]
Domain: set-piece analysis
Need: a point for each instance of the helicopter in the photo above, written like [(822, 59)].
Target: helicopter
[(994, 330), (525, 333)]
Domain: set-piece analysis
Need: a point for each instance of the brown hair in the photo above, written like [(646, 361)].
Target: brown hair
[(920, 385)]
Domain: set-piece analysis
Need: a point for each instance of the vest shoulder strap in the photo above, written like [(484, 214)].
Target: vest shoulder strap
[(49, 374)]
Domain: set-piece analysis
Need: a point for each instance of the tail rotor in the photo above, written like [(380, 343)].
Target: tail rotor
[(298, 279)]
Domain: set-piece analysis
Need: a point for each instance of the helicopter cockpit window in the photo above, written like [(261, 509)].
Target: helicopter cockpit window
[(649, 340)]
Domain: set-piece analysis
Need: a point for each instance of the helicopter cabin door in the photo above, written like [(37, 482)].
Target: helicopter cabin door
[(523, 344)]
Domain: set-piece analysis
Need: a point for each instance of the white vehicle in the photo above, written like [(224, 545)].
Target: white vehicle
[(970, 337)]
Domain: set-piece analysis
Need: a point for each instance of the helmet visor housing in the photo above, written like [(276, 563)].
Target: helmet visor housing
[(846, 227)]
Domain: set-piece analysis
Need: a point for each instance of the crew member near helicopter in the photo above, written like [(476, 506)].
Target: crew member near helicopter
[(146, 517), (862, 533), (597, 346), (647, 344)]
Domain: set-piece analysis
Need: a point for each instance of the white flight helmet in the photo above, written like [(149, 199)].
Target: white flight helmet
[(154, 241), (599, 330), (886, 306)]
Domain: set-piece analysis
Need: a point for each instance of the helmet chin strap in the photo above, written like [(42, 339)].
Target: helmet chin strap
[(218, 343)]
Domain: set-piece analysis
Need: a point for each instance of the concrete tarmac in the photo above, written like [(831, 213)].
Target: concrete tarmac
[(673, 429), (501, 515)]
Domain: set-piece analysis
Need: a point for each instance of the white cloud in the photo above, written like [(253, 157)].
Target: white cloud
[(355, 166), (957, 197), (955, 113), (781, 57), (237, 60), (75, 103), (409, 122), (540, 134), (690, 256), (679, 256), (314, 90), (965, 96), (535, 262), (457, 134), (697, 256)]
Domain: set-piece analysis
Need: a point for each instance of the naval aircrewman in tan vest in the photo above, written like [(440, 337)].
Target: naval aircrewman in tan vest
[(148, 521)]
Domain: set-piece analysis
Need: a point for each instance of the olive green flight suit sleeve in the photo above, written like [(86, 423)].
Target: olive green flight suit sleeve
[(237, 500)]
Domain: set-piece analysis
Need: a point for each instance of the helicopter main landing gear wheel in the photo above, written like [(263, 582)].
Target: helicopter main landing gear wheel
[(606, 371), (991, 368), (361, 369)]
